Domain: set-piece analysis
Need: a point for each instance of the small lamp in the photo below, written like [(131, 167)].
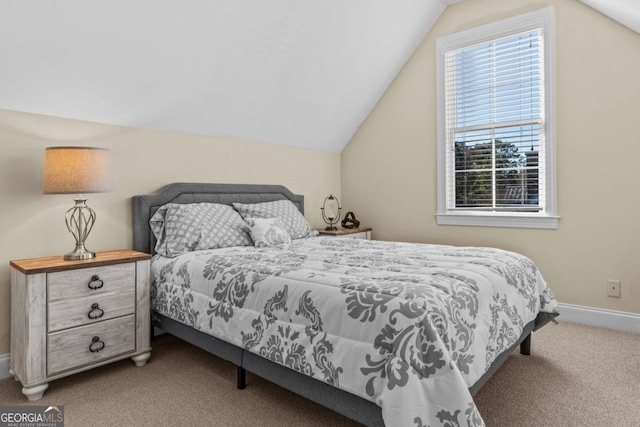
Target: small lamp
[(78, 170), (331, 212)]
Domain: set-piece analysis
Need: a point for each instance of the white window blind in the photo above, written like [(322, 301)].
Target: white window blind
[(494, 95), (494, 134)]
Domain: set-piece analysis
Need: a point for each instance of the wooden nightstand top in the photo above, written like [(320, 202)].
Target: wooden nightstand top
[(344, 231), (58, 263)]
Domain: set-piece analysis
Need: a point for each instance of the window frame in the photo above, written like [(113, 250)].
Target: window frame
[(543, 19)]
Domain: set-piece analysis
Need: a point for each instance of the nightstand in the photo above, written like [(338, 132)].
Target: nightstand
[(352, 233), (71, 316)]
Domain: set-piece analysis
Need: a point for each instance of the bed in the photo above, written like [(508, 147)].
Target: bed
[(385, 333)]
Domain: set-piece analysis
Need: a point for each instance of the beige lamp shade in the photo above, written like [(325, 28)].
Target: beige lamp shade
[(77, 170)]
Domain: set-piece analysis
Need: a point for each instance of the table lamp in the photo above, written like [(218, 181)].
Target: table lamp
[(78, 170)]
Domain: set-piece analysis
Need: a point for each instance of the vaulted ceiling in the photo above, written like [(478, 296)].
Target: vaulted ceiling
[(626, 12), (302, 73)]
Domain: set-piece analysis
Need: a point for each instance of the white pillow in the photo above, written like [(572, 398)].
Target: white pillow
[(267, 232), (294, 222)]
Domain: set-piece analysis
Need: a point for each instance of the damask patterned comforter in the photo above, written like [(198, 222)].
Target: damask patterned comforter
[(408, 326)]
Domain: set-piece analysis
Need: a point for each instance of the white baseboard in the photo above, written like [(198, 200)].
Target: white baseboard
[(4, 366), (609, 319)]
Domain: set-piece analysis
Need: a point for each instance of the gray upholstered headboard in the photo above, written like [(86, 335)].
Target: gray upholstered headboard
[(145, 206)]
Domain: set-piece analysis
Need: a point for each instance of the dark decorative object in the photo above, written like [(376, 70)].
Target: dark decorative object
[(350, 221), (331, 212)]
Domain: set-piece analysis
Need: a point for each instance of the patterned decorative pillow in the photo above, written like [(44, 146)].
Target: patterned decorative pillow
[(267, 232), (181, 228), (294, 222)]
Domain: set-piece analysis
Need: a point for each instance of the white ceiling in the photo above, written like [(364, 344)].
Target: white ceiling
[(626, 12), (302, 73)]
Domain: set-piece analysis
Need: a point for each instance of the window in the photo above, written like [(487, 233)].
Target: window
[(496, 156)]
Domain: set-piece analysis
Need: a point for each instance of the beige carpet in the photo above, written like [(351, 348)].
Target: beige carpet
[(576, 376)]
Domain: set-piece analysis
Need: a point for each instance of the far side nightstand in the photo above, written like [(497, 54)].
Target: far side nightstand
[(352, 233), (70, 316)]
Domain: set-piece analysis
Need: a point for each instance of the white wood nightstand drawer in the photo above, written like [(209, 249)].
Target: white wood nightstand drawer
[(68, 313), (89, 344), (349, 233), (361, 235), (90, 281), (68, 316)]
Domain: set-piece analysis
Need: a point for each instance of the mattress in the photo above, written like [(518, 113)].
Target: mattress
[(408, 326)]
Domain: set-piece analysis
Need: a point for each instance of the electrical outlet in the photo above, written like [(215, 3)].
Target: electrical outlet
[(613, 288)]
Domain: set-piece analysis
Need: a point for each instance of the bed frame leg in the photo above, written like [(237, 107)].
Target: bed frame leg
[(525, 346), (241, 378), (152, 333)]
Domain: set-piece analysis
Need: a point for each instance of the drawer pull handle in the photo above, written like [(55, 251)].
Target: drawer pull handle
[(96, 312), (95, 283), (96, 345)]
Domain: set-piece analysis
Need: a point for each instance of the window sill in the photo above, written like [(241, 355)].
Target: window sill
[(499, 220)]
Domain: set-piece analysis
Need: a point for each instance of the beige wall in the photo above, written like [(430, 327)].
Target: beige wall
[(32, 224), (389, 167)]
